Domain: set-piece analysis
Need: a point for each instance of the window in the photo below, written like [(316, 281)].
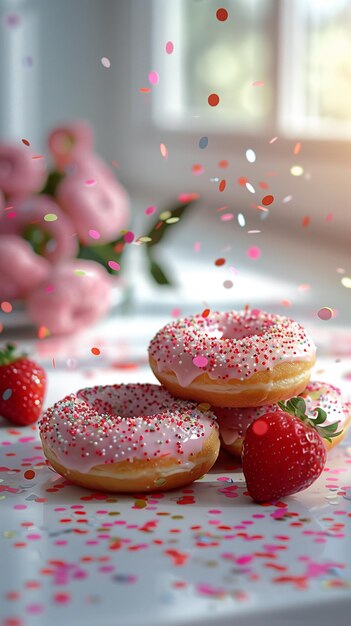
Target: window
[(279, 65)]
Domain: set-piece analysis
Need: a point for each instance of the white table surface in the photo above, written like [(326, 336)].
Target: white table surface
[(201, 555)]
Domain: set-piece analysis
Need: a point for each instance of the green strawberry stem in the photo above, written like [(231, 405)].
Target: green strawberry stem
[(297, 407), (8, 354)]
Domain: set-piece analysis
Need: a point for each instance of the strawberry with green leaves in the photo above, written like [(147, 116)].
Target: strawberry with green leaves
[(22, 387), (283, 450)]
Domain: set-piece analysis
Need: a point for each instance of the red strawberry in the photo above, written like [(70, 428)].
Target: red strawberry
[(283, 451), (22, 387)]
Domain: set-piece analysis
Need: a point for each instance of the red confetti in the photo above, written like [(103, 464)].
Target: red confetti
[(219, 262), (222, 185), (223, 164), (95, 351), (297, 148), (26, 142), (213, 99), (205, 313), (306, 221), (242, 181), (222, 15), (6, 307), (267, 200)]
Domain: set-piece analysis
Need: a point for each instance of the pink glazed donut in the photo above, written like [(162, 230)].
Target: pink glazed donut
[(129, 438), (233, 359), (233, 423)]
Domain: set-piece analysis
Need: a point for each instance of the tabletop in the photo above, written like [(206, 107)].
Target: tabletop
[(200, 555)]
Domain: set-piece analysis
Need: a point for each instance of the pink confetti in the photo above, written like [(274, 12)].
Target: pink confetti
[(114, 265), (258, 83), (273, 139), (200, 361), (226, 217), (253, 252), (129, 236), (90, 182), (304, 287), (169, 47), (329, 217), (176, 312), (228, 284), (105, 62), (153, 78), (150, 210), (163, 150), (94, 234), (325, 313), (197, 246)]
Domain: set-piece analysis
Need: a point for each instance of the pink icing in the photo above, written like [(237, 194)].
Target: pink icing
[(234, 422), (101, 425), (235, 344)]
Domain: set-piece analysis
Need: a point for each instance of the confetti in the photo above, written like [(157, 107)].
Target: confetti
[(176, 312), (227, 217), (169, 47), (304, 287), (197, 246), (223, 164), (329, 217), (203, 143), (222, 185), (241, 220), (267, 200), (296, 170), (250, 155), (197, 169), (258, 83), (346, 282), (253, 252), (146, 239), (165, 215), (205, 313), (29, 474), (26, 142), (228, 284), (128, 236), (163, 150), (150, 210), (90, 182), (250, 188), (297, 148), (200, 361), (50, 217), (7, 394), (95, 351), (172, 220), (273, 140), (325, 313), (287, 199), (242, 181), (305, 221), (153, 78), (6, 307), (94, 234), (213, 99), (114, 266), (219, 262), (222, 15), (105, 62)]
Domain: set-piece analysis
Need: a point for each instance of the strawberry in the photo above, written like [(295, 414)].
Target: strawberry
[(283, 451), (22, 387)]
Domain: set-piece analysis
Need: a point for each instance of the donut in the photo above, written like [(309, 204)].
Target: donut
[(233, 423), (129, 438), (233, 359)]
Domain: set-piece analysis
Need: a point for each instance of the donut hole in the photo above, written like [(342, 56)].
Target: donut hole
[(243, 328)]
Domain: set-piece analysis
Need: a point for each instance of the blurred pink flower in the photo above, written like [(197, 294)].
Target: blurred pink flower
[(20, 174), (42, 221), (64, 141), (77, 293), (96, 202), (21, 270)]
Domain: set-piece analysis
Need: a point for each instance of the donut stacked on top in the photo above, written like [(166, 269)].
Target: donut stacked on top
[(241, 363)]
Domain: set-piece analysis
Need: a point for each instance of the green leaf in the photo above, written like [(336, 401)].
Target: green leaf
[(158, 274), (156, 233), (52, 182), (321, 416)]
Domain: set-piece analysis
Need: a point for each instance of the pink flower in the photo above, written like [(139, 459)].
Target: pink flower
[(76, 294), (21, 270), (64, 141), (20, 174), (40, 220), (95, 201)]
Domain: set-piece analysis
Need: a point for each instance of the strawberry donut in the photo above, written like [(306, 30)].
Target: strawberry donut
[(233, 423), (129, 438), (233, 359)]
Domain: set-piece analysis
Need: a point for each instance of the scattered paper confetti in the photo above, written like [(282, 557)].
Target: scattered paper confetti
[(213, 99), (219, 262), (169, 47), (325, 313), (50, 217), (226, 217), (222, 15), (105, 62), (222, 185), (223, 164), (95, 351), (200, 361), (273, 140), (197, 169), (153, 78), (250, 188), (250, 155), (203, 143), (306, 221), (241, 220), (6, 307), (267, 200), (296, 170), (94, 234), (90, 182), (253, 252), (287, 199), (114, 266), (163, 150), (25, 142), (128, 236), (150, 210), (228, 284), (346, 282), (297, 148)]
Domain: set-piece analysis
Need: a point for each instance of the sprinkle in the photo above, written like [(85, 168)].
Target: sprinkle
[(228, 284), (222, 15), (213, 99), (346, 282), (94, 234), (128, 236), (95, 351), (153, 78), (163, 150), (150, 210), (296, 170), (325, 313), (29, 474), (205, 313), (26, 142), (6, 307), (254, 252), (267, 200), (169, 47), (250, 155), (249, 187), (105, 62), (200, 361), (203, 143), (114, 265), (7, 394), (50, 217), (241, 220), (219, 262)]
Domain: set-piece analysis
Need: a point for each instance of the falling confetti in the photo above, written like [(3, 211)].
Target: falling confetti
[(297, 148), (95, 351), (6, 307), (90, 182), (200, 361), (169, 47), (50, 217), (203, 143), (258, 83), (250, 155), (197, 246), (26, 142), (296, 170), (222, 185), (150, 210), (241, 220), (205, 313), (226, 217), (197, 169), (213, 99), (273, 140), (306, 221), (128, 236), (223, 164), (346, 282), (228, 284), (287, 199), (153, 78), (250, 188), (267, 200), (163, 150), (219, 262), (105, 62), (94, 234), (254, 252), (114, 266), (325, 313), (222, 15)]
